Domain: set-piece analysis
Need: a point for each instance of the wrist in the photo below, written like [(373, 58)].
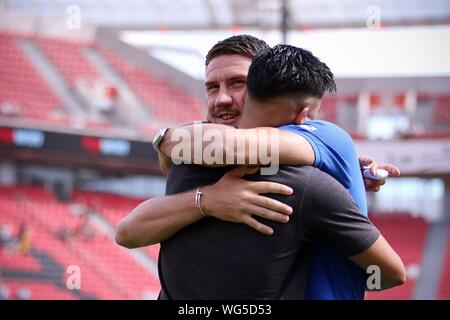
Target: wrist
[(206, 200)]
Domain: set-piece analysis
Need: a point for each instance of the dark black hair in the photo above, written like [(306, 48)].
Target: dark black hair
[(284, 70), (243, 44)]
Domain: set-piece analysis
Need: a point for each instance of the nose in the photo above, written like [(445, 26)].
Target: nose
[(224, 98)]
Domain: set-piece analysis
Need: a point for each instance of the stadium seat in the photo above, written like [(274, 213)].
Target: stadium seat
[(22, 85), (165, 100), (107, 270), (398, 229)]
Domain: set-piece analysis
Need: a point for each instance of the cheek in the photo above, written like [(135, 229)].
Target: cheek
[(239, 98), (210, 105)]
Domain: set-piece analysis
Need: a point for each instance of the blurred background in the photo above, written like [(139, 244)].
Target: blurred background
[(84, 85)]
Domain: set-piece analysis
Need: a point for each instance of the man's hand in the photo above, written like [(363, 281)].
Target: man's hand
[(236, 200), (374, 185)]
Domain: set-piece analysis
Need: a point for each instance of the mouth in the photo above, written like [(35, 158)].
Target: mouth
[(228, 117)]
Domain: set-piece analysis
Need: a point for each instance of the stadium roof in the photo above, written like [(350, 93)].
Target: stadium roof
[(403, 52), (222, 14)]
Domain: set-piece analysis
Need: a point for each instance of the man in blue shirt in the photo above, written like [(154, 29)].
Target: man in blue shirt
[(158, 219), (281, 72), (335, 154)]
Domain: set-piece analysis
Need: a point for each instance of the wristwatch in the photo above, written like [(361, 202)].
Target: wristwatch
[(158, 138)]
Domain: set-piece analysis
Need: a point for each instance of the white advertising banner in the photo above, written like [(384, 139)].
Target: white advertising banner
[(413, 157)]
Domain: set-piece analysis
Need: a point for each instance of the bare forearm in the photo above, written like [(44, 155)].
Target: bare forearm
[(156, 220), (257, 146), (380, 257)]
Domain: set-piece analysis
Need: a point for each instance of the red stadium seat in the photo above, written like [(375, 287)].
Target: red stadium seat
[(22, 85), (444, 283), (398, 230), (68, 58), (107, 270), (165, 100)]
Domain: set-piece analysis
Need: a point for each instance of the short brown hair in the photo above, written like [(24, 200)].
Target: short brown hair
[(243, 44)]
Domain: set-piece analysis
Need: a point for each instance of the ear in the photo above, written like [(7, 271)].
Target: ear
[(301, 116)]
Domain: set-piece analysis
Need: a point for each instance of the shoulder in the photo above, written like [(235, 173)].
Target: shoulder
[(318, 129), (322, 126)]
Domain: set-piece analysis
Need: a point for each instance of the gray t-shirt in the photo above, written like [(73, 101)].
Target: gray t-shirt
[(215, 259)]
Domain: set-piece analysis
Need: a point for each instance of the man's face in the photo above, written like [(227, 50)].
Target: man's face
[(226, 87)]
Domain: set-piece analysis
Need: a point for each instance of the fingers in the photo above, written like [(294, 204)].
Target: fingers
[(393, 170), (373, 185), (270, 187), (366, 161), (267, 214), (271, 204), (258, 226)]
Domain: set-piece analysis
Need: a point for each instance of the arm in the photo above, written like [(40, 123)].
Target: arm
[(240, 145), (164, 162), (158, 219), (293, 149), (382, 255), (336, 220)]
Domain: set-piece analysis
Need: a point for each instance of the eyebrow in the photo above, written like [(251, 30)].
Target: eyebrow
[(239, 77), (208, 83)]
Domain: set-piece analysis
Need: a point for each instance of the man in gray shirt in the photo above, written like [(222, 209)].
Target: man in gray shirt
[(215, 259)]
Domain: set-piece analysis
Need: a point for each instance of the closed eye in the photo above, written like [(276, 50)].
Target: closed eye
[(238, 82), (211, 87)]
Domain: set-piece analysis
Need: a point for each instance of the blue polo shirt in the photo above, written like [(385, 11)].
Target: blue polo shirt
[(333, 276)]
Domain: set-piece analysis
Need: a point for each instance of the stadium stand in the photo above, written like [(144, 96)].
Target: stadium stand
[(113, 208), (407, 235), (22, 87), (57, 241), (38, 290), (164, 100), (444, 283), (68, 58), (441, 114)]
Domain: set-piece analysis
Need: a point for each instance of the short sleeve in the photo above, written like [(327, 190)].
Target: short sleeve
[(329, 215)]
